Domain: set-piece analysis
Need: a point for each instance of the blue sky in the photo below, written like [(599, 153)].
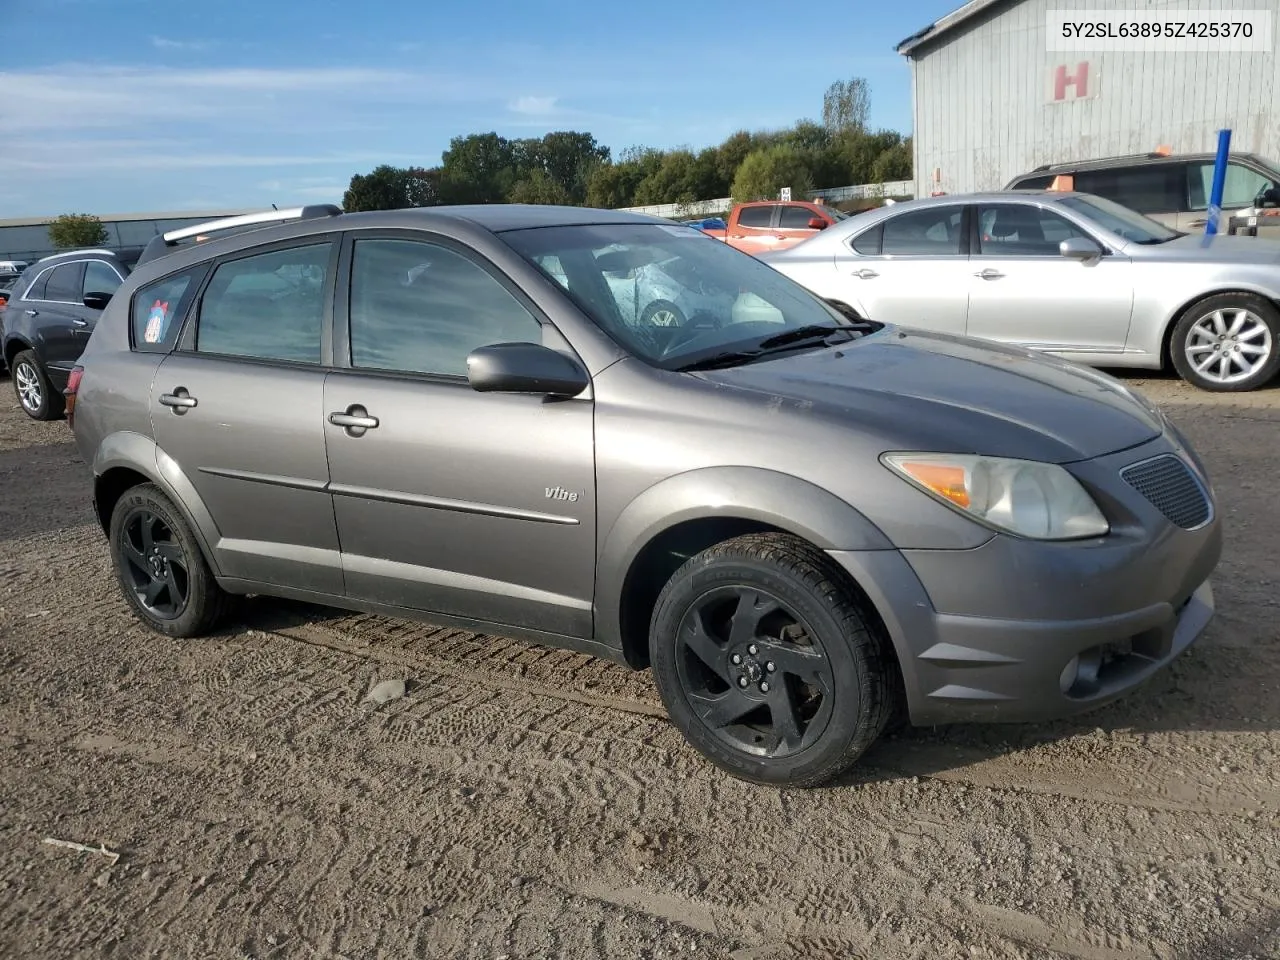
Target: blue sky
[(112, 106)]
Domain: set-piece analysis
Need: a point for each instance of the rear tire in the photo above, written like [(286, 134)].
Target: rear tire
[(1227, 343), (768, 662), (161, 571), (35, 393)]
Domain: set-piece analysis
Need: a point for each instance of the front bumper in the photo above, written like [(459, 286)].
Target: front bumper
[(1018, 630)]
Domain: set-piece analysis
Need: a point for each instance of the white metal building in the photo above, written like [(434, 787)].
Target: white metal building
[(991, 101), (28, 238)]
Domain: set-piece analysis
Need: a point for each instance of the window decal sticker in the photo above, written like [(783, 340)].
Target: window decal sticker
[(156, 322)]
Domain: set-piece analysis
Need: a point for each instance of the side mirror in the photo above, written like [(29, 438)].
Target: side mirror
[(817, 223), (1269, 197), (524, 368), (1079, 248), (97, 301)]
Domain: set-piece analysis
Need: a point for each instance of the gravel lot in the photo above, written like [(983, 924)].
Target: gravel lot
[(525, 803)]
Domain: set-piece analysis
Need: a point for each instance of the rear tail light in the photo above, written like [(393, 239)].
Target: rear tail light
[(73, 385), (4, 300)]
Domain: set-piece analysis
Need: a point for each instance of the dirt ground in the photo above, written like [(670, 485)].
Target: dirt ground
[(520, 802)]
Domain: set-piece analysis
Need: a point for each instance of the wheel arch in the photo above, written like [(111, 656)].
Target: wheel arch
[(683, 515), (13, 346), (127, 459), (1171, 321)]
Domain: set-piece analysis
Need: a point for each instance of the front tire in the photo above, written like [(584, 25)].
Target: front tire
[(768, 662), (35, 393), (161, 571), (1229, 342), (662, 313)]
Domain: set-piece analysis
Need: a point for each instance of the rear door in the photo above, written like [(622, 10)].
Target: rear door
[(755, 229), (57, 318), (793, 224), (1158, 190), (239, 408), (911, 269), (475, 505)]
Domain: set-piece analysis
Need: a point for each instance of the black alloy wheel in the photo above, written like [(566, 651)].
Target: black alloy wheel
[(155, 565)]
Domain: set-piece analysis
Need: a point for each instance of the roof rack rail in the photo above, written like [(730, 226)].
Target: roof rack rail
[(160, 244)]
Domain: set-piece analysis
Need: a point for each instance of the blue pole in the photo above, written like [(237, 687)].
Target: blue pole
[(1219, 180)]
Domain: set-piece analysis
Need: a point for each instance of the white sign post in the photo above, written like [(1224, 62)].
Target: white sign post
[(785, 195)]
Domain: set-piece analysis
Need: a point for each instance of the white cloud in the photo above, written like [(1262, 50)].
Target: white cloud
[(164, 43), (534, 106)]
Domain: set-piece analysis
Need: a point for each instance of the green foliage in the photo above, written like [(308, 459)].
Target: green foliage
[(77, 230), (765, 172), (392, 188), (570, 167)]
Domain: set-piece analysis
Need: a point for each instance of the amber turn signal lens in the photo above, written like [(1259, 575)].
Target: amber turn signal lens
[(944, 480)]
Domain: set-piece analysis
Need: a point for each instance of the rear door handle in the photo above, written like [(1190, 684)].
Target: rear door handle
[(355, 420), (866, 273), (180, 400), (80, 322), (32, 313), (989, 274)]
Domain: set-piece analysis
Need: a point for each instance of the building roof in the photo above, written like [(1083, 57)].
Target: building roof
[(129, 217), (944, 24)]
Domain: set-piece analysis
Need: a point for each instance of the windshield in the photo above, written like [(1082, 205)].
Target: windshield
[(673, 296), (835, 214), (1120, 220)]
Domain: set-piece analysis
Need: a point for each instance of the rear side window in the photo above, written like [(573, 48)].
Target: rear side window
[(269, 307), (1157, 188), (158, 308), (1034, 183), (64, 283), (934, 231), (36, 290), (755, 216), (868, 243)]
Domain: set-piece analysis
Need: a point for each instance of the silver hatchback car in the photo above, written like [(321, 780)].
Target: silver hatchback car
[(801, 521), (1064, 273)]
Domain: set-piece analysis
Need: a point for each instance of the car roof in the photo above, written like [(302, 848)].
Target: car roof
[(1136, 159), (500, 217)]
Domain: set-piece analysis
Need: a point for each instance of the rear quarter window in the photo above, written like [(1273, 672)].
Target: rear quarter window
[(158, 308)]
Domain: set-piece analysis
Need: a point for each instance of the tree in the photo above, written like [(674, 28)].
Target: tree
[(765, 172), (481, 168), (539, 187), (569, 159), (77, 230), (846, 104), (388, 188)]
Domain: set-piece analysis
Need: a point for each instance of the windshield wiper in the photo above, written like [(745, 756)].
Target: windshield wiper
[(810, 331), (728, 358)]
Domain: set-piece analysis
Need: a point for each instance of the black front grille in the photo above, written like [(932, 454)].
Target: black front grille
[(1172, 489)]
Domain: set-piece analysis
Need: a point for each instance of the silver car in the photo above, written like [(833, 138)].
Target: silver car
[(1070, 274), (802, 522)]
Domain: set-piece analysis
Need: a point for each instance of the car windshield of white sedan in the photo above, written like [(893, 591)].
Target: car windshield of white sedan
[(1120, 220), (678, 298)]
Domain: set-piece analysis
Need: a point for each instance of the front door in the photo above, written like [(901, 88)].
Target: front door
[(1240, 189), (239, 409), (911, 269), (475, 505), (1023, 291)]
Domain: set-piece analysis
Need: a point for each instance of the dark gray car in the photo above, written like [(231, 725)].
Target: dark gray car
[(800, 520)]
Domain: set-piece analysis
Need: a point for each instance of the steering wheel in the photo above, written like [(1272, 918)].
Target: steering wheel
[(695, 327)]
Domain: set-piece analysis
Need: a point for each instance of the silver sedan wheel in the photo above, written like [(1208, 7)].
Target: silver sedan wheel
[(30, 393), (1229, 345)]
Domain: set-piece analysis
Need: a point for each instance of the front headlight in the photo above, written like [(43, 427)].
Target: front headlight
[(1041, 501)]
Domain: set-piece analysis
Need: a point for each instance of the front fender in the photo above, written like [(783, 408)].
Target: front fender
[(742, 493), (139, 453)]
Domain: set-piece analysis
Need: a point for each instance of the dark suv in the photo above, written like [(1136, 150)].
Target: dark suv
[(50, 312), (1171, 189), (800, 519)]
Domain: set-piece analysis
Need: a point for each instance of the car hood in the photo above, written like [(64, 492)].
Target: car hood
[(1219, 248), (928, 391)]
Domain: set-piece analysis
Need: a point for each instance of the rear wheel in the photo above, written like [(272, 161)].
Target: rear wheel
[(162, 573), (663, 313), (768, 663), (1227, 343), (35, 393)]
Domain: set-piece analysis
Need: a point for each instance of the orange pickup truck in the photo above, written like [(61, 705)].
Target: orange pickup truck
[(774, 224)]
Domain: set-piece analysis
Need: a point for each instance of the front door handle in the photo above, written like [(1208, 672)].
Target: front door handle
[(355, 420), (79, 322), (989, 274), (32, 313), (180, 400), (866, 273)]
